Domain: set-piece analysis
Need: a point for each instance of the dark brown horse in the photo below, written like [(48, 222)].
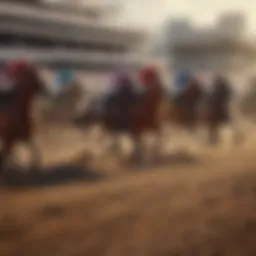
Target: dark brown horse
[(185, 108), (128, 112), (218, 111), (196, 108), (16, 124)]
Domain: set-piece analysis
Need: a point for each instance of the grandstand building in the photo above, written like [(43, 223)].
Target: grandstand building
[(227, 46), (65, 34)]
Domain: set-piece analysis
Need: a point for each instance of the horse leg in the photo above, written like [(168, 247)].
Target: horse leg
[(213, 134), (146, 150), (238, 135), (137, 151), (117, 147), (159, 140), (36, 155), (7, 145)]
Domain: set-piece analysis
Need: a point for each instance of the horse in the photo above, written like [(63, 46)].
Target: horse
[(127, 112), (195, 108), (184, 108), (16, 118), (218, 109)]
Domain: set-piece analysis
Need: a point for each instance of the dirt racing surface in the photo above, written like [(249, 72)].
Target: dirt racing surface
[(206, 208)]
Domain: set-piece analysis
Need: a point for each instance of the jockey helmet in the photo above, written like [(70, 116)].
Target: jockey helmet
[(13, 69), (120, 77), (148, 75)]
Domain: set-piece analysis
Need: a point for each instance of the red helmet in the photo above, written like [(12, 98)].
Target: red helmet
[(15, 68), (148, 75)]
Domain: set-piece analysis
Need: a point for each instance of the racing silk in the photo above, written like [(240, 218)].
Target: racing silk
[(15, 68), (63, 79), (113, 83), (117, 78), (122, 93), (149, 76), (182, 80), (118, 82), (150, 81)]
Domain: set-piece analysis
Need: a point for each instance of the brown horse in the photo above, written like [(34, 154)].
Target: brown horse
[(16, 120), (196, 108), (129, 113), (185, 109), (218, 110)]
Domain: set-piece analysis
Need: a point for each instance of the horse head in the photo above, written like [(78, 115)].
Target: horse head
[(153, 87), (32, 82), (26, 78)]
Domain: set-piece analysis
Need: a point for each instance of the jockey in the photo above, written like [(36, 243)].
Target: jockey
[(13, 68), (116, 79), (221, 83), (122, 90), (150, 79), (8, 81), (63, 80), (121, 82), (181, 81)]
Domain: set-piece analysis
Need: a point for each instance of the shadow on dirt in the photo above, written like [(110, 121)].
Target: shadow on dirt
[(179, 158), (78, 172), (50, 176)]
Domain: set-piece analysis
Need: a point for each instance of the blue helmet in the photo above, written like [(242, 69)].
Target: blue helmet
[(183, 78)]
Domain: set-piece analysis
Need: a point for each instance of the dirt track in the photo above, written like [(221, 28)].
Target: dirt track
[(201, 209)]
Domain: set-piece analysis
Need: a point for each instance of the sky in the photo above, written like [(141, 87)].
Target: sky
[(152, 13)]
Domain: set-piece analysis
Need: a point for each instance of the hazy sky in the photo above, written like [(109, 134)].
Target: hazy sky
[(153, 12)]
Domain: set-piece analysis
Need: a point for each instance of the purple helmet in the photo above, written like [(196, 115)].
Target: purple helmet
[(119, 77)]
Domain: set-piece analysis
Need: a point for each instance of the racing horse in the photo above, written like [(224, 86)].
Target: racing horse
[(211, 110), (16, 124), (185, 108), (130, 112), (218, 111)]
